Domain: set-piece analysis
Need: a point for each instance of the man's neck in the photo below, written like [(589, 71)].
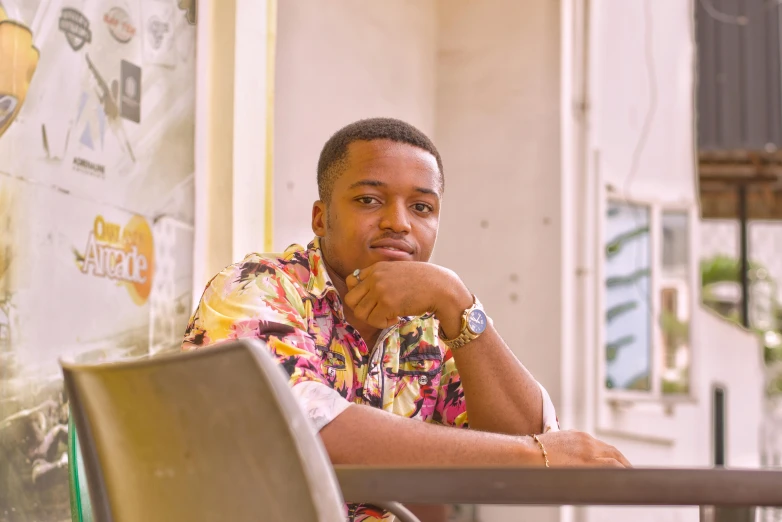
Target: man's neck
[(368, 332)]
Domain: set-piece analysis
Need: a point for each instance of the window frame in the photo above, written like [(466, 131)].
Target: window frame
[(657, 350)]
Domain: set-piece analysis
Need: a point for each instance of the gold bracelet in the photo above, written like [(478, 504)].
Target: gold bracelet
[(542, 448)]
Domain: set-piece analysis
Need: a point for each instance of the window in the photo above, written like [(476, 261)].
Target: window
[(675, 297), (647, 299), (628, 332)]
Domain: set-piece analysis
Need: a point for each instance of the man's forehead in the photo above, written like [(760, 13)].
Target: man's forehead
[(387, 161)]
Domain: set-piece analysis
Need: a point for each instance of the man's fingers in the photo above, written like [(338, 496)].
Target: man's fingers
[(353, 281), (621, 458), (381, 317), (612, 453), (355, 295), (364, 307), (608, 462)]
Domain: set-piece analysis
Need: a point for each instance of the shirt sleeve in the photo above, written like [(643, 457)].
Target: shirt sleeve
[(320, 404), (253, 299), (451, 408), (550, 420)]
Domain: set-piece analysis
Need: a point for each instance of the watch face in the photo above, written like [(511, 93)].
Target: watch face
[(476, 321)]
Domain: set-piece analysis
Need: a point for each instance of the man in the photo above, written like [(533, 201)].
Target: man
[(375, 338)]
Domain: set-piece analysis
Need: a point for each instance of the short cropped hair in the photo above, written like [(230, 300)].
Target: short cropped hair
[(332, 161)]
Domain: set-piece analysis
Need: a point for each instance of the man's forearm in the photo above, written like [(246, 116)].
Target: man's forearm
[(501, 395), (367, 436)]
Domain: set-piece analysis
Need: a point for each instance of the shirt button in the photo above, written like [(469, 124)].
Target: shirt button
[(423, 380)]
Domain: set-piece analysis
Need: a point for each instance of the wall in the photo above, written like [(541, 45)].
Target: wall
[(335, 65), (500, 226), (498, 130), (97, 103), (641, 145), (641, 83)]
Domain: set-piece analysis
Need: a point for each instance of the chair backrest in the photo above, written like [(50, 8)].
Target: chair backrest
[(213, 434)]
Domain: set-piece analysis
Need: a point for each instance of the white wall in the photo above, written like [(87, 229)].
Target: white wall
[(337, 63), (498, 130), (641, 86), (642, 74)]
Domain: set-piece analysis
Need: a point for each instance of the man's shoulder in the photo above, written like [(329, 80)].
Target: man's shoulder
[(291, 265)]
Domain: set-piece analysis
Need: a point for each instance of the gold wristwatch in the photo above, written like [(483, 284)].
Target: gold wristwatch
[(474, 323)]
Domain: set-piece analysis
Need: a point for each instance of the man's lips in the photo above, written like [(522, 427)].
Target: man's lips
[(393, 245)]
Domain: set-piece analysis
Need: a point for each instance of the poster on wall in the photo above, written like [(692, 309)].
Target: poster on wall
[(97, 114)]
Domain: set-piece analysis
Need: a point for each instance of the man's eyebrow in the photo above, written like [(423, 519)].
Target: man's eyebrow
[(427, 191), (376, 183), (367, 183)]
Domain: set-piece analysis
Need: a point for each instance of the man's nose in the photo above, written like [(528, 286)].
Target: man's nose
[(395, 217)]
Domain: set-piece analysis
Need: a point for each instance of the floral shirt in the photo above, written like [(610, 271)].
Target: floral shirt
[(289, 302)]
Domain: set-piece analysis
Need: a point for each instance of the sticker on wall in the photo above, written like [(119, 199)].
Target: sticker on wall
[(130, 97), (77, 204), (8, 105), (120, 25), (100, 110), (158, 29), (76, 28), (189, 6), (125, 255), (18, 62)]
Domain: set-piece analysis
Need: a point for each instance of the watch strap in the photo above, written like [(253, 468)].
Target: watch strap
[(465, 335)]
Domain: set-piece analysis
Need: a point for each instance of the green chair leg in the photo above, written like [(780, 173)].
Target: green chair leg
[(81, 507)]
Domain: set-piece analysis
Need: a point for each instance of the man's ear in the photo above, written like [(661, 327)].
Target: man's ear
[(319, 218)]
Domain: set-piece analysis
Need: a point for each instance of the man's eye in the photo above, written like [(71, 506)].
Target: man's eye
[(422, 207), (366, 200)]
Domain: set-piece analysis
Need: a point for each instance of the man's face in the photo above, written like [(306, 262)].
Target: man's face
[(385, 206)]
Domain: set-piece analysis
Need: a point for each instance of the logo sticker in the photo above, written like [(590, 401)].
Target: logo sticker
[(123, 254), (119, 24), (7, 107), (130, 91), (76, 28), (157, 30), (90, 168)]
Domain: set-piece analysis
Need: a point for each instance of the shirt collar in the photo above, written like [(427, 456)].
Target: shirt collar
[(320, 283)]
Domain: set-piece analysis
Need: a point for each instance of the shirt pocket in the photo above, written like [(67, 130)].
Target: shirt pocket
[(333, 366), (419, 369), (331, 361)]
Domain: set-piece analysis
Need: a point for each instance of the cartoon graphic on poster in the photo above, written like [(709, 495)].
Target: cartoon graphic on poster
[(18, 61), (97, 113)]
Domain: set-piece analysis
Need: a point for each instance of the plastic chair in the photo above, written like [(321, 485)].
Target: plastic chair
[(212, 434)]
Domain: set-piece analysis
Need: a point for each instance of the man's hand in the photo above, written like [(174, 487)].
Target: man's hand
[(388, 290), (576, 448)]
